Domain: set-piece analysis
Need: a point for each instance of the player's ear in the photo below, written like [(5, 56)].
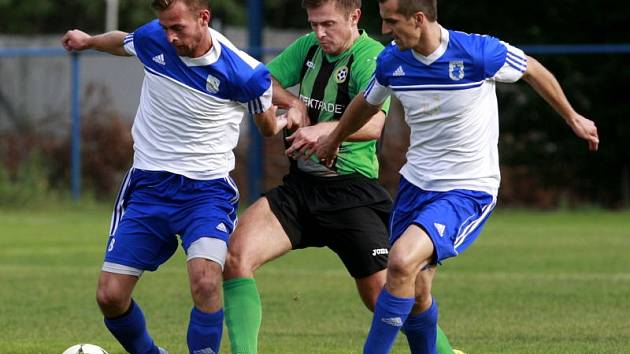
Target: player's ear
[(205, 16), (355, 15), (420, 18)]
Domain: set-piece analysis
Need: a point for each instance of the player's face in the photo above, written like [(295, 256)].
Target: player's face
[(186, 30), (405, 31), (333, 27)]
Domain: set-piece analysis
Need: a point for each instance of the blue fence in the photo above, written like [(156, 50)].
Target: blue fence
[(255, 142)]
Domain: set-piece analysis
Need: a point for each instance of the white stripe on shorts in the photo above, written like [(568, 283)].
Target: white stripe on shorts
[(461, 236), (119, 210)]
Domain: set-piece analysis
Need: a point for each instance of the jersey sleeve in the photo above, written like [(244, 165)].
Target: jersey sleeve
[(128, 44), (256, 92), (514, 67), (287, 66), (377, 91), (503, 62)]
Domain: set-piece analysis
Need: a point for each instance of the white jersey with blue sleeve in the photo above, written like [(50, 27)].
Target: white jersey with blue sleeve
[(191, 108), (451, 107)]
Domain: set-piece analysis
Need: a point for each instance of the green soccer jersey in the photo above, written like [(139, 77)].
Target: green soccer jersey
[(327, 85)]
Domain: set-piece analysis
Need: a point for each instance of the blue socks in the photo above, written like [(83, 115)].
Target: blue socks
[(421, 331), (390, 313), (130, 330), (204, 331)]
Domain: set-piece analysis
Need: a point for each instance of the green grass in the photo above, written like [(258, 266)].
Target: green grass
[(533, 282)]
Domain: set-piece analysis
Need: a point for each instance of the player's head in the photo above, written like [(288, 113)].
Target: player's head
[(185, 23), (334, 22), (407, 19)]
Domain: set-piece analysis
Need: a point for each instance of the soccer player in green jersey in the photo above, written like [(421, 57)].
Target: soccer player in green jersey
[(342, 207)]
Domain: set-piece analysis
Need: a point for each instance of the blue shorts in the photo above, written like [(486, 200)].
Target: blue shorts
[(452, 219), (153, 207)]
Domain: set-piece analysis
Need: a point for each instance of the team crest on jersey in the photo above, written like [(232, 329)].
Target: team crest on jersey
[(342, 74), (456, 70), (212, 84)]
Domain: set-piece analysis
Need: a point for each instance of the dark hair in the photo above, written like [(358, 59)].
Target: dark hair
[(346, 5), (193, 5), (408, 8)]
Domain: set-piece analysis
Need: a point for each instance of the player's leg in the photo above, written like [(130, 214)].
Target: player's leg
[(140, 240), (451, 220), (205, 219), (132, 248), (361, 239), (205, 326), (258, 238), (421, 325), (122, 316), (410, 252)]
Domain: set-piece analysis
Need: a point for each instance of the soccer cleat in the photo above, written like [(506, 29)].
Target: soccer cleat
[(162, 350), (456, 351)]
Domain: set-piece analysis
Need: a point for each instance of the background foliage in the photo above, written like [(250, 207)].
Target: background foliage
[(542, 161)]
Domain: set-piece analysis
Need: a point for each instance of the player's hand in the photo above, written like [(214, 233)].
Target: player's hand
[(281, 121), (585, 129), (297, 116), (326, 149), (303, 140), (76, 40)]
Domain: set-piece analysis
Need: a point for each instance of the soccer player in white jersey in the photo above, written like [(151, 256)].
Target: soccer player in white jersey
[(445, 81), (197, 88)]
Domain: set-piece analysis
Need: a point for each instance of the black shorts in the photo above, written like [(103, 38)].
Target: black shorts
[(349, 214)]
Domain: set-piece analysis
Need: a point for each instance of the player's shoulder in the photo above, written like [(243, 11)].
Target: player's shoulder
[(366, 46), (151, 30), (237, 57), (389, 56), (472, 41)]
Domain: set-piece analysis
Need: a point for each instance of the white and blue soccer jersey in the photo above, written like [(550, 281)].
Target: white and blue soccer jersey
[(191, 108), (451, 107)]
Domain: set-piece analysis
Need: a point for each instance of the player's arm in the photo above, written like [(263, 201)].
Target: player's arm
[(261, 105), (268, 123), (304, 139), (297, 114), (356, 115), (546, 85), (110, 42)]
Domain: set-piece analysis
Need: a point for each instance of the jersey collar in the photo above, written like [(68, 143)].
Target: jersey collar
[(210, 57), (431, 58)]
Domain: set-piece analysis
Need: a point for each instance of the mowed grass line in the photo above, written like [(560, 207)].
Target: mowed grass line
[(533, 282)]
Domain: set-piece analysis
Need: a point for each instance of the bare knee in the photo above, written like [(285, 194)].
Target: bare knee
[(402, 267), (238, 264), (370, 287), (205, 284), (112, 300)]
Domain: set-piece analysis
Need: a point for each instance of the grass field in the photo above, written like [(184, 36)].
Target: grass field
[(533, 282)]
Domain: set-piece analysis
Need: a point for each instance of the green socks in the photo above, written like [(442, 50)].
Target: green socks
[(243, 314), (443, 345)]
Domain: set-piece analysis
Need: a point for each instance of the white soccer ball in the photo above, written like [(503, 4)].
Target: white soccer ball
[(85, 349)]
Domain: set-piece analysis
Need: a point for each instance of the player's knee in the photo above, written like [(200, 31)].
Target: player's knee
[(111, 301), (238, 265), (205, 285), (402, 265)]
